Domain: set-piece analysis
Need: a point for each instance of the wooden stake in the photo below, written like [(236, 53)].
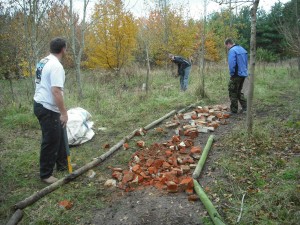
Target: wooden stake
[(202, 160), (36, 196), (16, 217), (214, 215)]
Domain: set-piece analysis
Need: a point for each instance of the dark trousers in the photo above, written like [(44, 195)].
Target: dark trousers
[(53, 151), (235, 86)]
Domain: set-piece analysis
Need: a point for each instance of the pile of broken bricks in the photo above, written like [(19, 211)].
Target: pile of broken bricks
[(169, 165)]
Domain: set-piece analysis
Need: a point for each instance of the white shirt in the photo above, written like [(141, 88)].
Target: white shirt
[(52, 75)]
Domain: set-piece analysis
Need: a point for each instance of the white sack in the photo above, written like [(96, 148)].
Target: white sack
[(79, 126)]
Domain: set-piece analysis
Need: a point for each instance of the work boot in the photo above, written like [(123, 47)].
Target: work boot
[(50, 180)]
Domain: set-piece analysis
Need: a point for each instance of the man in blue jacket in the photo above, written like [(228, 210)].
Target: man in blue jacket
[(184, 69), (238, 70)]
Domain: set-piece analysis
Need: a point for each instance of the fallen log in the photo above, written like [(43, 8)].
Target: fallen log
[(38, 195), (202, 160), (16, 217), (154, 123), (213, 213)]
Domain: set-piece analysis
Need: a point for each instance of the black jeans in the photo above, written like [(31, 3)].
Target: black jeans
[(53, 149)]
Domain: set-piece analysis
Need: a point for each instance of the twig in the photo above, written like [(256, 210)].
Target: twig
[(242, 204)]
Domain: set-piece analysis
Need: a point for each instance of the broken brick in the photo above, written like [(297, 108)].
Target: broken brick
[(193, 198), (172, 187), (117, 175), (196, 149), (127, 177), (140, 144)]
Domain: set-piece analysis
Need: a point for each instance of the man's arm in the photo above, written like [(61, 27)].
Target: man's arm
[(59, 100), (232, 62)]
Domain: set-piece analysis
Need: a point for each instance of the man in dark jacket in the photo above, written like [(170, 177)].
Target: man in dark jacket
[(238, 70), (184, 69)]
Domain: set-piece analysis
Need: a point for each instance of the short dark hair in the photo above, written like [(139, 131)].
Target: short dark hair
[(57, 45), (229, 41)]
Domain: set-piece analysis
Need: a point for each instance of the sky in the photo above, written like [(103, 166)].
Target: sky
[(194, 7)]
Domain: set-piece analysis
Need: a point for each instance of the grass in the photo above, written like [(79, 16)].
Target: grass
[(261, 166)]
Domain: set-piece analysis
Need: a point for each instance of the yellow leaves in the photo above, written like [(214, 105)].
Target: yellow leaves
[(112, 39)]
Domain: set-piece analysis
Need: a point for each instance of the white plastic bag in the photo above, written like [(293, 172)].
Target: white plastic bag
[(79, 126)]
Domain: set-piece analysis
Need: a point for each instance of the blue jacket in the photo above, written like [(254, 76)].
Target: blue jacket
[(238, 61)]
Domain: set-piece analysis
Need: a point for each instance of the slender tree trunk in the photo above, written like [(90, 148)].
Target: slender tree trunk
[(148, 70), (77, 56), (252, 66), (202, 55)]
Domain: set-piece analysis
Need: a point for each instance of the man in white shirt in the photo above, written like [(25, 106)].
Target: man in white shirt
[(50, 110)]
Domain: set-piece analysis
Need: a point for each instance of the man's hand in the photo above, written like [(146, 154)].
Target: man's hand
[(64, 119)]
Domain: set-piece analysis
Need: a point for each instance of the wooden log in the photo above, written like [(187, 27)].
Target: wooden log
[(213, 213), (16, 217), (41, 193), (154, 123), (203, 157)]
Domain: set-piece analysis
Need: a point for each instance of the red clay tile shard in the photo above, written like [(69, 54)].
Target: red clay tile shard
[(196, 149), (175, 139), (172, 187), (106, 145), (152, 170), (136, 168), (226, 115), (187, 183), (126, 146), (168, 153), (189, 191), (117, 175), (193, 198), (127, 177), (149, 162), (140, 144), (65, 204)]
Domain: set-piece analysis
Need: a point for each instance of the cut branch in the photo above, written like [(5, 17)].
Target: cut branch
[(202, 160), (214, 215), (36, 196), (16, 217)]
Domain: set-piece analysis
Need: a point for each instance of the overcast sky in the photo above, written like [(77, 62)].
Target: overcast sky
[(194, 7)]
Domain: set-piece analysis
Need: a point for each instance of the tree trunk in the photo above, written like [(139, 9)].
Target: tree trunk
[(252, 66), (202, 160), (148, 70), (202, 55)]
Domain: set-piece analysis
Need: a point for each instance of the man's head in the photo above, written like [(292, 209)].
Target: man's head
[(229, 43), (171, 56), (58, 45)]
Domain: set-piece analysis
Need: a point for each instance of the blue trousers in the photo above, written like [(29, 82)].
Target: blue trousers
[(184, 78), (53, 151)]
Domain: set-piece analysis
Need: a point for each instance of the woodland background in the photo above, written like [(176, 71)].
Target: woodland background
[(114, 41)]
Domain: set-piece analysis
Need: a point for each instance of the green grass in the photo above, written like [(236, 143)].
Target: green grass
[(259, 166)]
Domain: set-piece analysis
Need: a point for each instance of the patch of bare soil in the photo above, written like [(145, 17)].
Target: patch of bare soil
[(158, 207)]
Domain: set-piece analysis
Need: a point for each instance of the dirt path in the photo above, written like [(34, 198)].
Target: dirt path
[(155, 207)]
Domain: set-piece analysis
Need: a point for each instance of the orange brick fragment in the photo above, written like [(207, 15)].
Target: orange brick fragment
[(187, 183), (189, 191), (140, 144), (106, 145), (65, 204), (175, 139), (152, 170), (168, 153), (127, 177), (126, 146), (172, 186), (196, 149), (117, 175), (193, 198), (136, 168)]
